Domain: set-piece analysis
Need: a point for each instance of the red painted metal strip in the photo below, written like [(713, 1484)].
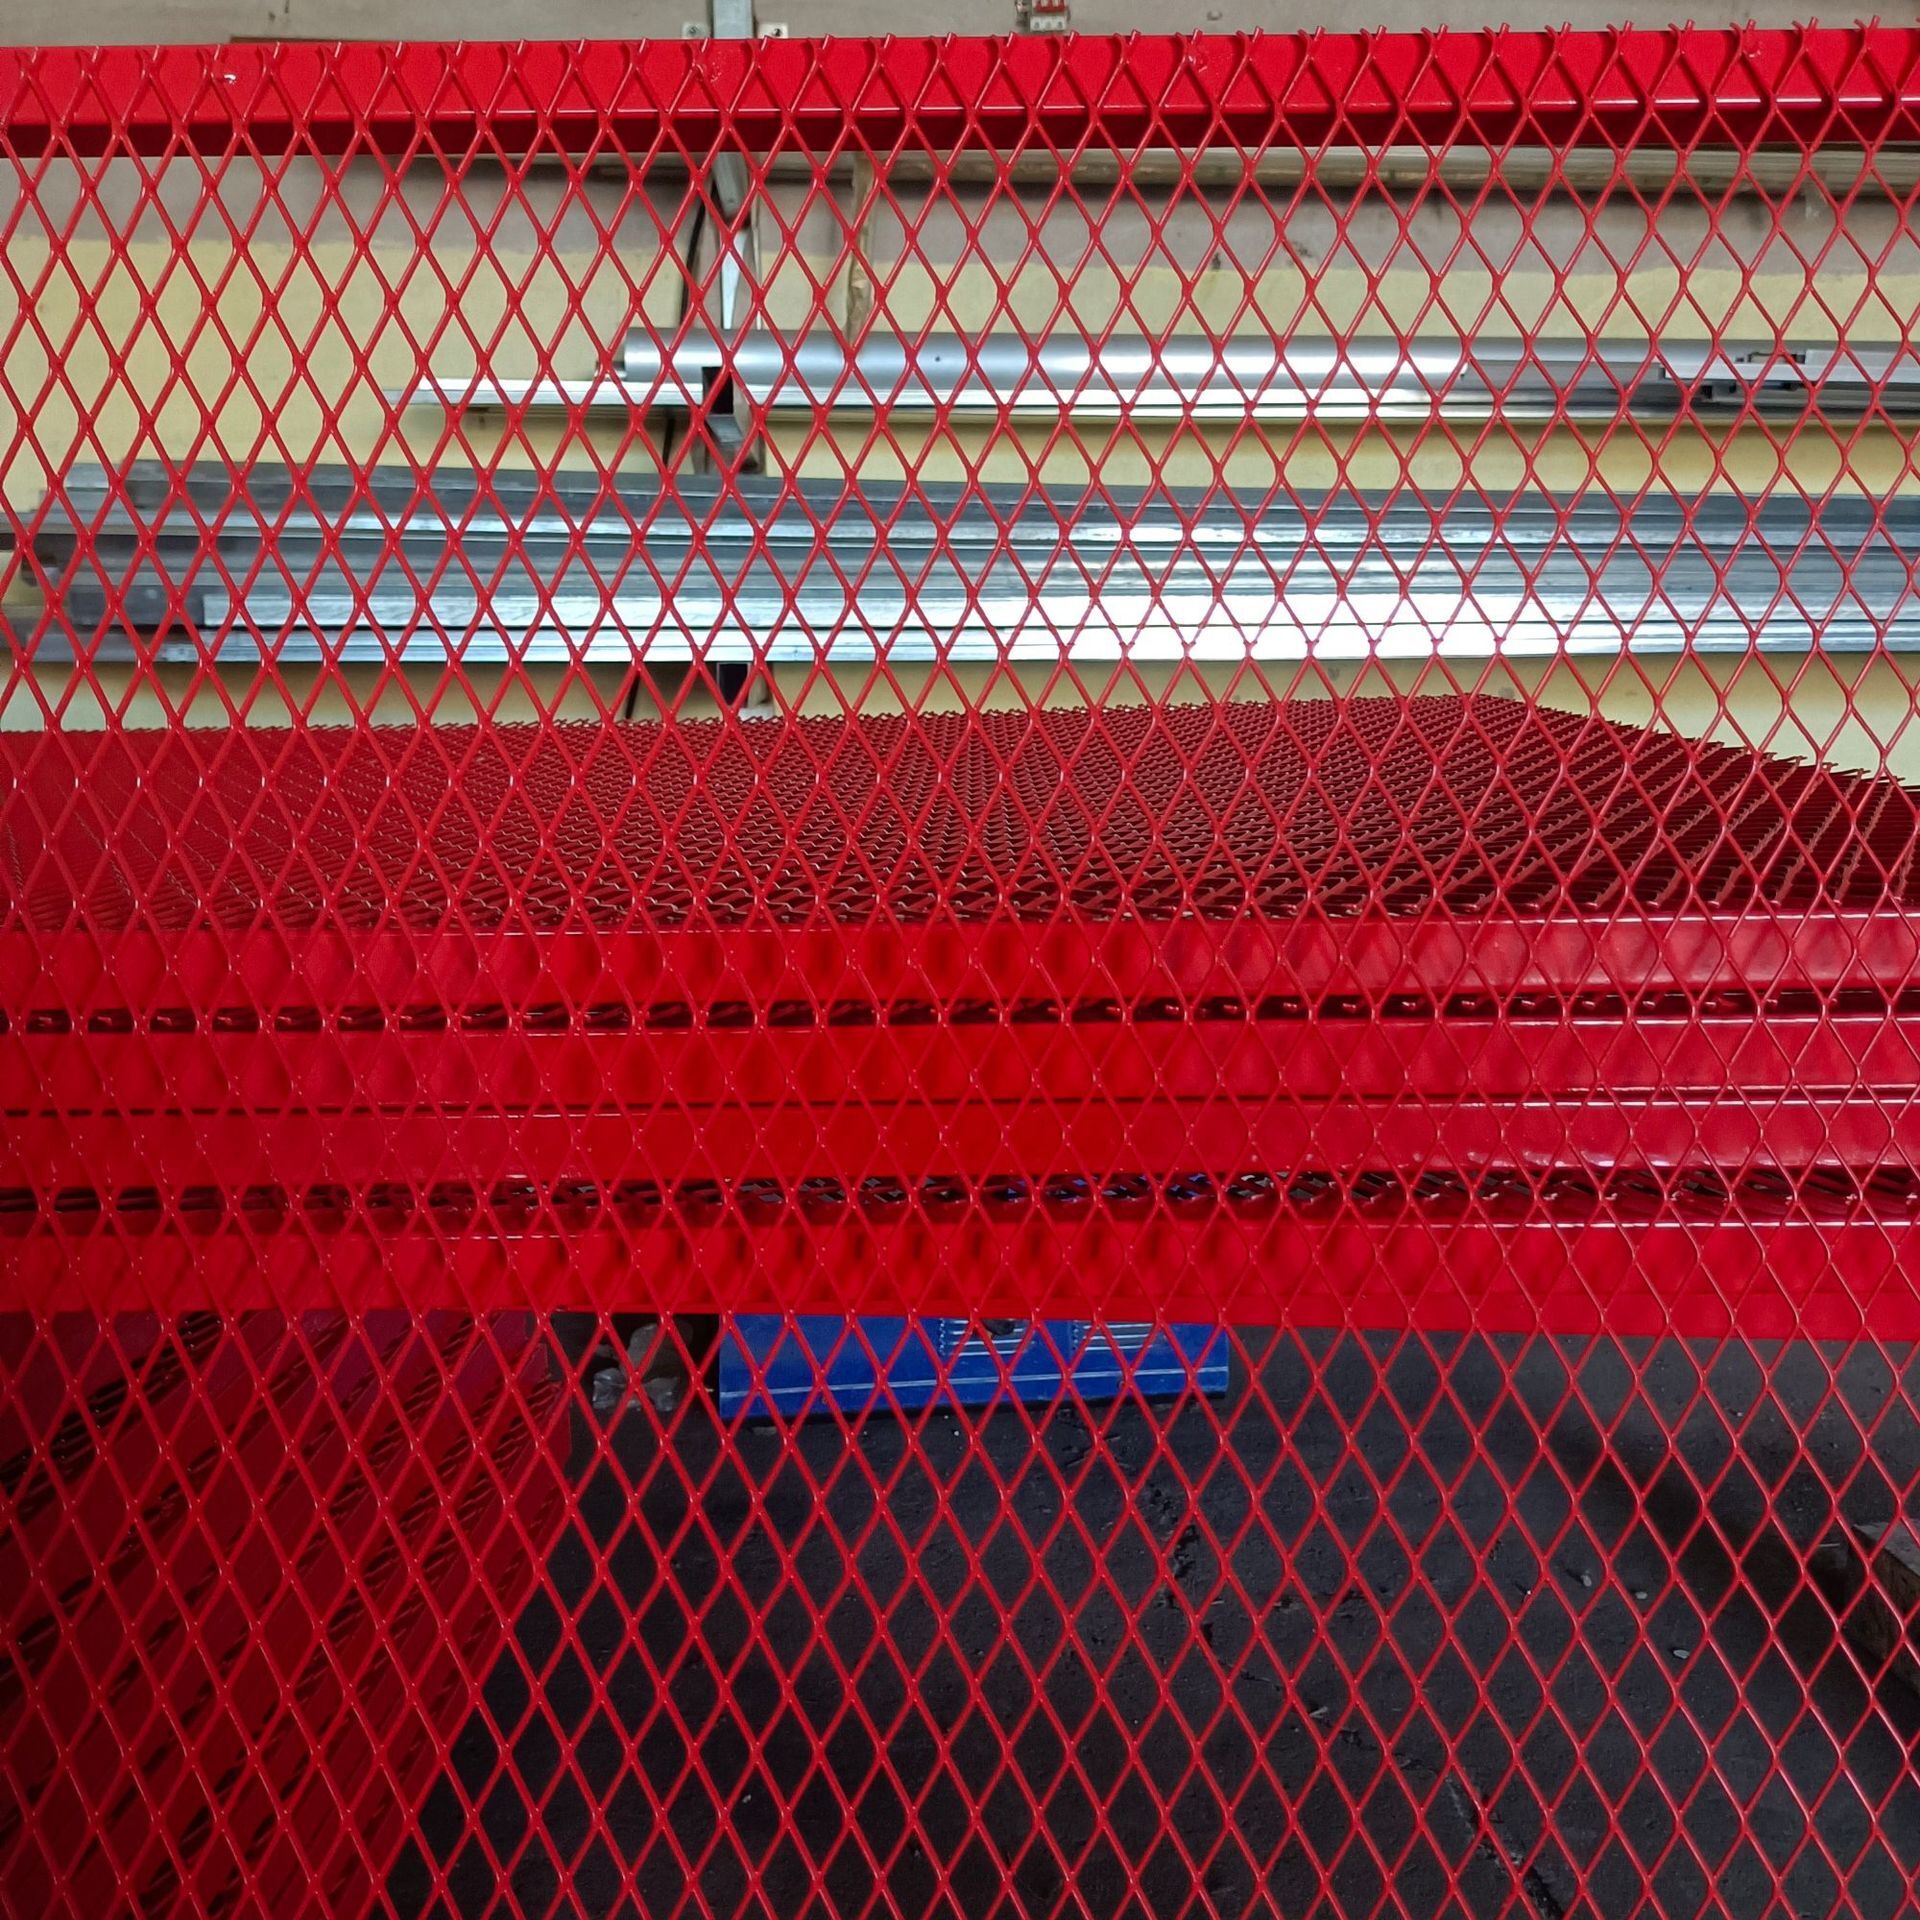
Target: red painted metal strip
[(1681, 87), (1103, 1056), (1762, 948), (1618, 1277)]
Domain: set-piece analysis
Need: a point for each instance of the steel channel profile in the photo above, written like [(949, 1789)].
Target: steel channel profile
[(570, 567), (1006, 379)]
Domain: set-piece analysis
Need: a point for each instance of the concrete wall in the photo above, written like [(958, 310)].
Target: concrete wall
[(102, 21)]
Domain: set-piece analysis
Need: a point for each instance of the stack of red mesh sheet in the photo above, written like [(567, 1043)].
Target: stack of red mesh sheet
[(1458, 1010), (1268, 926)]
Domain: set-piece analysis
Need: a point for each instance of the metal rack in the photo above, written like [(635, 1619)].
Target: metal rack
[(571, 565)]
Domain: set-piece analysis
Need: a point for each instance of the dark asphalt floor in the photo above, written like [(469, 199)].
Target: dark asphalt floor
[(1426, 1628)]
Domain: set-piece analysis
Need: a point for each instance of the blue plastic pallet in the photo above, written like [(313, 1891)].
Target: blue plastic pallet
[(818, 1361)]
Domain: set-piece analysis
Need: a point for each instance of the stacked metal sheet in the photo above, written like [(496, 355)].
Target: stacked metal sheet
[(401, 565), (1193, 379)]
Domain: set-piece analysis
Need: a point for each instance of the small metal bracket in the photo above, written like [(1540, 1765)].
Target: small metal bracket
[(766, 30), (1042, 16), (1756, 377)]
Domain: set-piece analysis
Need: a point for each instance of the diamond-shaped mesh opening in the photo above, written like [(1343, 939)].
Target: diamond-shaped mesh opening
[(961, 977)]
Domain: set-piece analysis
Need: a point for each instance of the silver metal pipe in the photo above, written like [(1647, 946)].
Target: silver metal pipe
[(1186, 379), (572, 567), (1515, 174)]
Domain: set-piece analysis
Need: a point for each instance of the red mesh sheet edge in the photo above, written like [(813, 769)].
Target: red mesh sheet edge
[(1495, 1060), (1680, 86)]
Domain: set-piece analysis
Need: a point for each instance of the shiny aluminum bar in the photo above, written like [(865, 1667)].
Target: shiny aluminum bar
[(568, 566), (1004, 378)]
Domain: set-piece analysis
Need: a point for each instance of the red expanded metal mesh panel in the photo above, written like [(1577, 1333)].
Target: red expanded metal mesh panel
[(747, 789)]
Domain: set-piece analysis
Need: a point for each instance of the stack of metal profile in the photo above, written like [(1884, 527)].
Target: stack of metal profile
[(416, 567), (1192, 379)]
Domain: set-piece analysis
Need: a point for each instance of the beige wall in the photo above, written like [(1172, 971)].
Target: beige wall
[(280, 324), (136, 292), (1852, 711)]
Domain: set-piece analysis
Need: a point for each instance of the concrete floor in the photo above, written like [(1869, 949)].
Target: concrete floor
[(1436, 1626)]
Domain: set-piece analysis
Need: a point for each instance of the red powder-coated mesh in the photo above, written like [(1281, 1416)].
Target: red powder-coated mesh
[(518, 919)]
